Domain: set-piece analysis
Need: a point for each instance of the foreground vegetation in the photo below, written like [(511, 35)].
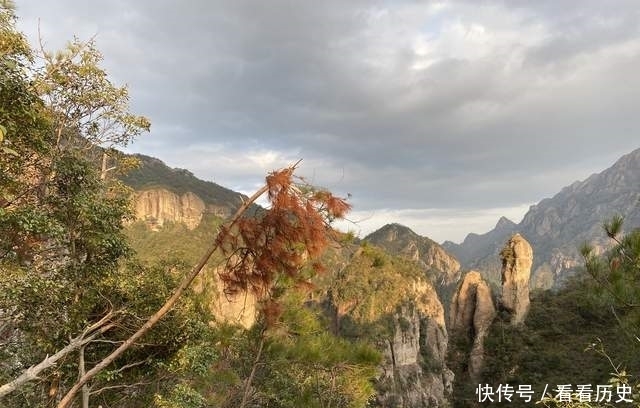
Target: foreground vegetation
[(73, 288), (585, 333), (94, 303)]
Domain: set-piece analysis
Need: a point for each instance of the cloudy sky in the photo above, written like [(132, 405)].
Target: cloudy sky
[(439, 115)]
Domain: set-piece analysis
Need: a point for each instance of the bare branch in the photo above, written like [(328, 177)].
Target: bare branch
[(131, 365), (114, 387), (31, 373)]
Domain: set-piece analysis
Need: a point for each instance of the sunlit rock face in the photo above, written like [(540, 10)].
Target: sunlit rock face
[(158, 206), (414, 372), (472, 312), (517, 258)]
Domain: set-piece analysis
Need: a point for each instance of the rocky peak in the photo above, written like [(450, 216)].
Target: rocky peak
[(398, 239), (472, 312), (505, 224), (480, 252), (517, 258)]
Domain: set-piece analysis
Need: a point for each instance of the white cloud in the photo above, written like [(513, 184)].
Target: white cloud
[(440, 105)]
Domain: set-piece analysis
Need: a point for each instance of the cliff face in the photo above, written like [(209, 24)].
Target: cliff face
[(517, 258), (472, 312), (158, 206), (385, 299), (441, 266), (153, 174), (240, 309), (414, 373), (555, 227)]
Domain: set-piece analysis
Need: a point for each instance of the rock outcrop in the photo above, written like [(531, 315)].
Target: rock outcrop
[(415, 373), (555, 227), (472, 312), (517, 258), (158, 206), (441, 267), (376, 296), (153, 174), (240, 309)]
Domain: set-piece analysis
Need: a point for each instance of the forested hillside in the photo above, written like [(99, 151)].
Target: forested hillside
[(93, 313), (125, 283)]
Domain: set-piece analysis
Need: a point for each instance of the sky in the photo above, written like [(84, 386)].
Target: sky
[(440, 115)]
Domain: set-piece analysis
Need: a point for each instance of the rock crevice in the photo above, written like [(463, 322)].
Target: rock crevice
[(472, 312)]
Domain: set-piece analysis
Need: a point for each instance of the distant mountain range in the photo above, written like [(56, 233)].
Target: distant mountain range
[(557, 226)]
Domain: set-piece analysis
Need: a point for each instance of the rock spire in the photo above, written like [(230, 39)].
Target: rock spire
[(517, 258)]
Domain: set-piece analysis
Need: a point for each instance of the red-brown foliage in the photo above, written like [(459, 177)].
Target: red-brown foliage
[(275, 245)]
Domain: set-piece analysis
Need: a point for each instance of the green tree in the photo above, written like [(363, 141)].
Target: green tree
[(87, 110), (61, 240), (73, 297)]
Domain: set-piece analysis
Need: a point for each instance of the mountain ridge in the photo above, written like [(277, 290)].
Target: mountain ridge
[(442, 267), (556, 226), (153, 173)]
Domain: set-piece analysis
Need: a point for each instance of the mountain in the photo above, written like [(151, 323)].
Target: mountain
[(481, 251), (476, 246), (365, 295), (557, 226), (165, 194), (440, 265), (153, 173)]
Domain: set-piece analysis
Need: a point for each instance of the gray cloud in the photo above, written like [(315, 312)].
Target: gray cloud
[(406, 105)]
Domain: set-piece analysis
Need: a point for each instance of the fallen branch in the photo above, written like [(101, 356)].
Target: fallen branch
[(270, 247), (186, 281), (31, 373)]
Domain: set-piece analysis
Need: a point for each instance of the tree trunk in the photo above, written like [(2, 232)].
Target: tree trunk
[(247, 385), (81, 372), (186, 281), (103, 170)]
